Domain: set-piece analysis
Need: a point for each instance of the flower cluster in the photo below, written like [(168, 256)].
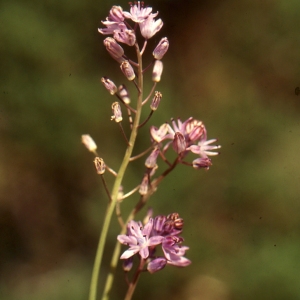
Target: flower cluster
[(190, 135), (116, 24), (143, 240)]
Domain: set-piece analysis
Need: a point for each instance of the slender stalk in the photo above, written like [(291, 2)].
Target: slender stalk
[(117, 183), (133, 284)]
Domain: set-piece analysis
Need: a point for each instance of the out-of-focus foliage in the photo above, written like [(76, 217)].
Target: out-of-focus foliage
[(232, 64)]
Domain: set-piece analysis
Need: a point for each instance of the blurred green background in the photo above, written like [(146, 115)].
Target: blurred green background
[(232, 64)]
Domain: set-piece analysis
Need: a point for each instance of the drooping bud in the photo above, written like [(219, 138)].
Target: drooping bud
[(113, 48), (152, 158), (144, 185), (117, 113), (156, 100), (124, 94), (99, 165), (127, 70), (109, 85), (88, 142), (179, 143), (127, 264), (202, 162), (156, 264), (157, 71), (161, 49)]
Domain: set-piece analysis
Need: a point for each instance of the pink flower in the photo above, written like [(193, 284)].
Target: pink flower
[(150, 26), (138, 239), (138, 13)]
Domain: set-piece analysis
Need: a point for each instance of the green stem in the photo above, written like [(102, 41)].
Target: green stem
[(117, 184)]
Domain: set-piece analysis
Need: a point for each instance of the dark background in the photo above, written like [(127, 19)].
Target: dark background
[(232, 64)]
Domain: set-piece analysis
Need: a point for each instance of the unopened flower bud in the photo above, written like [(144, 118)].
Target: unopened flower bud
[(109, 85), (156, 100), (178, 223), (117, 113), (156, 264), (88, 142), (179, 143), (161, 49), (152, 158), (204, 162), (157, 71), (144, 185), (127, 70), (116, 14), (99, 165), (173, 216), (113, 48), (127, 264), (195, 129), (123, 93)]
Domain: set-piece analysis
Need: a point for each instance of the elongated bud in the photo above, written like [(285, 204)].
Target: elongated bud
[(144, 185), (127, 70), (117, 113), (109, 85), (116, 14), (156, 100), (157, 71), (88, 142), (179, 143), (161, 49), (113, 48), (124, 94), (156, 264), (99, 165), (152, 158), (195, 129)]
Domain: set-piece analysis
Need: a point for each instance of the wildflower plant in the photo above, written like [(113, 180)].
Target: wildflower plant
[(156, 242)]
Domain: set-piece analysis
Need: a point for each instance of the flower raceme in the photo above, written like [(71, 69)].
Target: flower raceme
[(143, 240), (162, 233)]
